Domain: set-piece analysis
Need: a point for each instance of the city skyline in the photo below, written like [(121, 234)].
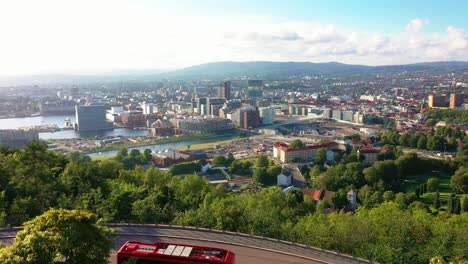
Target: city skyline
[(84, 36)]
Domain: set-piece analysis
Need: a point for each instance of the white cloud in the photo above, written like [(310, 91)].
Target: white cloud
[(93, 36), (416, 24)]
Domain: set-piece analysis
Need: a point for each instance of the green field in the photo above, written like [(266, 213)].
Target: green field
[(101, 158), (209, 144), (444, 188)]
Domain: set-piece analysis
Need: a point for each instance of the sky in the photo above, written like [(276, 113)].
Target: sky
[(90, 36)]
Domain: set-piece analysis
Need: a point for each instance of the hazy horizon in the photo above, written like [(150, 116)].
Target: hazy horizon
[(76, 37)]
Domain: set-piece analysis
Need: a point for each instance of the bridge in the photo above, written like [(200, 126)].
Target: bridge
[(248, 248)]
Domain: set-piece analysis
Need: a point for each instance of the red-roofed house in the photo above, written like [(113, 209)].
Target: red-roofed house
[(318, 195)]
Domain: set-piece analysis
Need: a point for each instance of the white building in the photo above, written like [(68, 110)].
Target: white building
[(330, 156), (347, 116), (367, 98), (284, 179), (267, 114), (114, 113), (352, 201), (148, 108)]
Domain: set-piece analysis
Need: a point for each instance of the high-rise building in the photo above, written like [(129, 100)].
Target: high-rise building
[(147, 108), (251, 118), (267, 114), (214, 110), (456, 100), (217, 103), (337, 114), (347, 116), (202, 105), (92, 118), (224, 90), (437, 101), (254, 89)]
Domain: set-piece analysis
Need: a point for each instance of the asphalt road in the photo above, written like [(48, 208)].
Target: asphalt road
[(248, 249)]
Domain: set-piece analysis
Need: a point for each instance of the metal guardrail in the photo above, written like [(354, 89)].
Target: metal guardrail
[(265, 243), (314, 250)]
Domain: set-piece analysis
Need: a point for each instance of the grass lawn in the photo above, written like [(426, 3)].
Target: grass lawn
[(444, 188), (209, 144), (101, 158)]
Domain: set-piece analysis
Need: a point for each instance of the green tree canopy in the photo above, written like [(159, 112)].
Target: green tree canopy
[(297, 143), (340, 199), (60, 236), (321, 156), (219, 160), (262, 162), (459, 180), (433, 184)]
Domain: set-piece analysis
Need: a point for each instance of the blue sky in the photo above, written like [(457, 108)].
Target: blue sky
[(380, 15), (103, 35)]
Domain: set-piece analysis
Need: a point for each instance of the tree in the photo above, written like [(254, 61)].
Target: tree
[(459, 180), (433, 184), (241, 167), (148, 210), (321, 156), (422, 142), (400, 199), (423, 188), (61, 236), (436, 202), (123, 152), (147, 154), (230, 159), (219, 160), (297, 143), (353, 136), (262, 162), (316, 171), (260, 175), (185, 167), (409, 163), (456, 206), (404, 140), (322, 207), (436, 143), (414, 140), (431, 122), (36, 173), (388, 196), (385, 171), (464, 203), (340, 199), (274, 171), (450, 207)]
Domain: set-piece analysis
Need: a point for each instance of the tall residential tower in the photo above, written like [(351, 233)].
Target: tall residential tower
[(224, 90)]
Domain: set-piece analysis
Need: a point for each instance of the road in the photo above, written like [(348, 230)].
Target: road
[(248, 249), (425, 153)]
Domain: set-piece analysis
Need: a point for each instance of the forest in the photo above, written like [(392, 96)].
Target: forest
[(388, 228)]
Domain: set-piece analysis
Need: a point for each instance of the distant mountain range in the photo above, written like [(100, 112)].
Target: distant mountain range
[(81, 78), (231, 69), (235, 70)]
